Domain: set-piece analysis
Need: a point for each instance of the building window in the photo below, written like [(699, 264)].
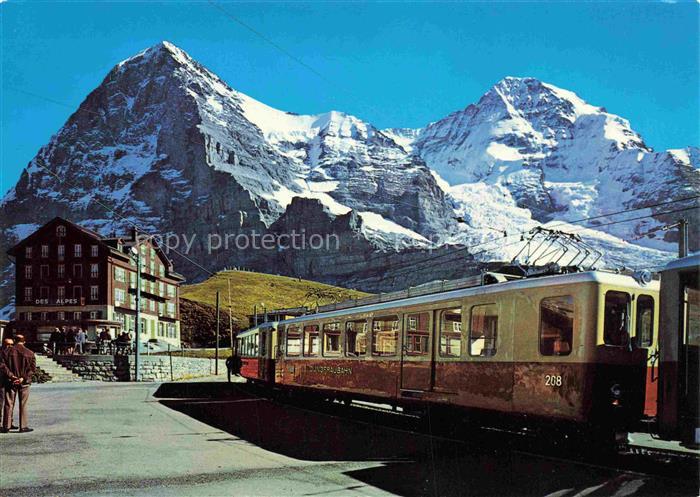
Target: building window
[(78, 292), (120, 274), (28, 252), (172, 330), (61, 271), (556, 325), (60, 230), (645, 320), (153, 267), (43, 316), (451, 332), (94, 270), (44, 251), (171, 290), (171, 309), (161, 270), (293, 341), (61, 316), (27, 272), (94, 292), (44, 292), (132, 301), (77, 316), (152, 305), (44, 271), (161, 329), (331, 339), (616, 321), (94, 250), (132, 279), (61, 292), (27, 294), (29, 316), (161, 289), (61, 251), (385, 335), (119, 296), (77, 270), (161, 308), (417, 334), (77, 250), (483, 330), (355, 338), (94, 314)]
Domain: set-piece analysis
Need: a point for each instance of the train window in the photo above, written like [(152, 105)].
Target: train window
[(556, 325), (483, 330), (331, 339), (293, 341), (645, 320), (356, 338), (385, 335), (417, 333), (311, 340), (616, 320), (451, 332)]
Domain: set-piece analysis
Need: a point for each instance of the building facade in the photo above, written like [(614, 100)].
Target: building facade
[(67, 275)]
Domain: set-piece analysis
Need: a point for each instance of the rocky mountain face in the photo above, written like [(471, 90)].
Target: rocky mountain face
[(165, 144)]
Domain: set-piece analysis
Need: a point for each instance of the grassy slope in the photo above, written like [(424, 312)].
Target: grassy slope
[(249, 289)]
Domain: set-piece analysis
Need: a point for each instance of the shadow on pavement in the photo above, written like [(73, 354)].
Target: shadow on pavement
[(413, 464)]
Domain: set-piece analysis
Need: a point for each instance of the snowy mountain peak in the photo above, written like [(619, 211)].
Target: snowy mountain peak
[(165, 143)]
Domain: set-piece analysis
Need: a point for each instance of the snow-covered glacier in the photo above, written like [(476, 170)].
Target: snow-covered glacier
[(164, 143)]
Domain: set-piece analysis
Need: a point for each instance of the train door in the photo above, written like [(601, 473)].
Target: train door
[(689, 358), (646, 337), (266, 364), (417, 352)]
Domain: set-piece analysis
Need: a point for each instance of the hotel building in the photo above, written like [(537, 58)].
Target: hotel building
[(67, 275)]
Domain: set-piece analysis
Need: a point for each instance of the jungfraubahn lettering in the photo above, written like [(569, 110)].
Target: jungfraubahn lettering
[(339, 370)]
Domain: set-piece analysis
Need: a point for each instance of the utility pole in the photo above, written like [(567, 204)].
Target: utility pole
[(137, 337), (682, 238), (216, 351), (230, 317)]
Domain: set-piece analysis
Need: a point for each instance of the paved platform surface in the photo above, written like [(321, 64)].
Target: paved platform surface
[(161, 439)]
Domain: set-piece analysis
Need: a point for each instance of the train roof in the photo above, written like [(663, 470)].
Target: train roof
[(684, 263), (520, 284)]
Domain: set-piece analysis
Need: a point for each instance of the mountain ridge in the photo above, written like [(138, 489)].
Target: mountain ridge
[(168, 145)]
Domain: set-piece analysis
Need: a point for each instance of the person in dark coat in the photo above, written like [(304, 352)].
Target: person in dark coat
[(54, 340), (7, 344), (18, 367)]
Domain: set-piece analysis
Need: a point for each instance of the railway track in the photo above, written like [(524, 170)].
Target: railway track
[(504, 440)]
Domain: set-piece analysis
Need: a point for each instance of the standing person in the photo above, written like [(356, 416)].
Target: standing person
[(62, 347), (19, 367), (80, 339), (54, 340), (70, 341), (7, 344)]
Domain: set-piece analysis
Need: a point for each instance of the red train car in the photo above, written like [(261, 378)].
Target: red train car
[(565, 349)]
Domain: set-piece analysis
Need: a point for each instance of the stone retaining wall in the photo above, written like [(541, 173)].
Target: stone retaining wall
[(153, 368)]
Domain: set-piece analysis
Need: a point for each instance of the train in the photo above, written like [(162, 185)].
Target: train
[(578, 350)]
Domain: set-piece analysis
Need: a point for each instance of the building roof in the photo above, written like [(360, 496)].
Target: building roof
[(92, 234)]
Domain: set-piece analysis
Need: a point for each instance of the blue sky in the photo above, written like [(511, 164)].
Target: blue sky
[(393, 64)]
